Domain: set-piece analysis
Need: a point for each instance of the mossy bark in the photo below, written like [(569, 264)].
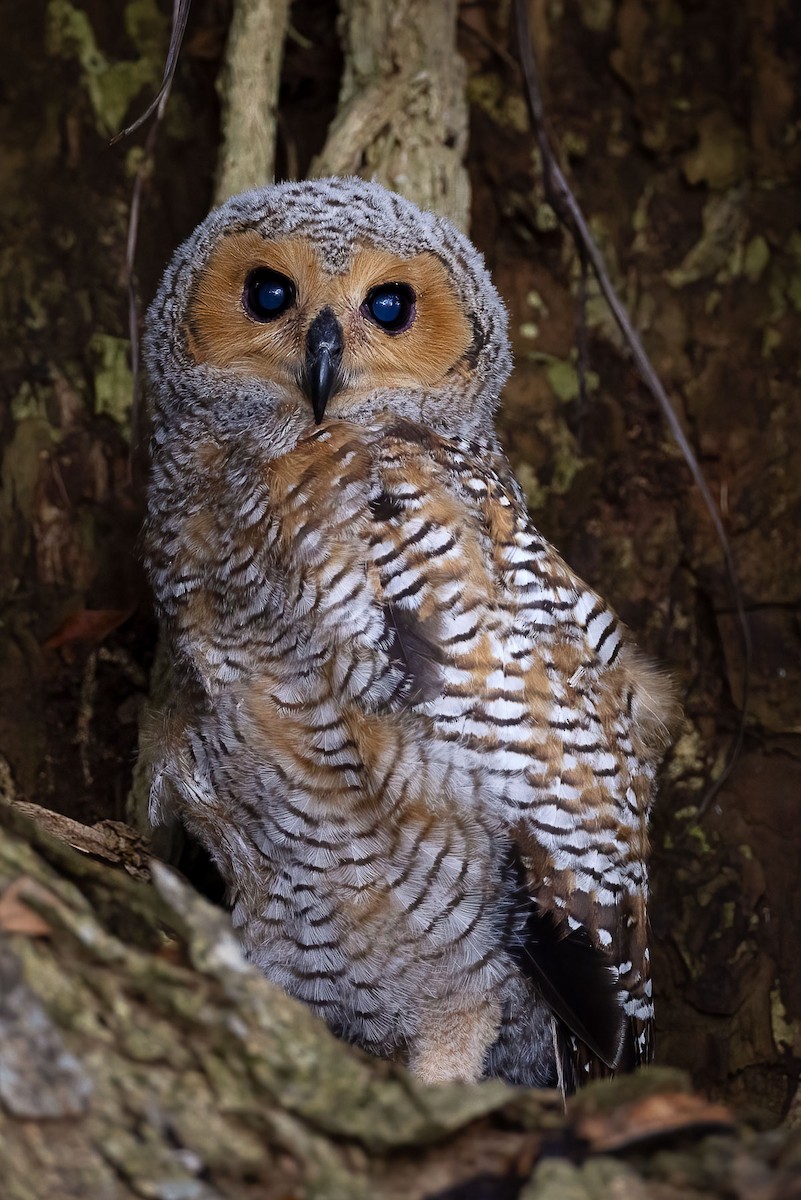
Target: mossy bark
[(140, 1056)]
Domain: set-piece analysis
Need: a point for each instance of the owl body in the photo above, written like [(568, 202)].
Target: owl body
[(419, 748)]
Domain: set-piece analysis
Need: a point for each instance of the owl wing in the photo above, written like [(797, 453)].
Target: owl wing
[(609, 713), (604, 713), (541, 695)]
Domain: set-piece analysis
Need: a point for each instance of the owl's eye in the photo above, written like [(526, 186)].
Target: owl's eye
[(390, 306), (267, 294)]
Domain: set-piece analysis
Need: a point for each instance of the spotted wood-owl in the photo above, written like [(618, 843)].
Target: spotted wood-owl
[(420, 750)]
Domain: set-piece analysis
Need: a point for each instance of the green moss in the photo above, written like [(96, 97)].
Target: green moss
[(721, 156), (21, 466), (490, 93), (146, 26), (535, 493), (559, 1179), (133, 160), (574, 144), (562, 374), (200, 1123), (756, 258), (563, 380), (28, 404), (596, 14), (153, 1042), (534, 300), (545, 219), (723, 227), (566, 464), (111, 86), (555, 1179), (712, 302), (113, 381), (687, 763), (786, 1033)]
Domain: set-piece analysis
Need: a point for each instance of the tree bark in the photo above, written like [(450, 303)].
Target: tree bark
[(249, 94), (141, 1056), (402, 115)]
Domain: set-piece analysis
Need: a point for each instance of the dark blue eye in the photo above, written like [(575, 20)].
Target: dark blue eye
[(391, 306), (267, 294)]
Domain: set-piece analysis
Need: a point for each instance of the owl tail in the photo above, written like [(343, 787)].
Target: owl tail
[(579, 985)]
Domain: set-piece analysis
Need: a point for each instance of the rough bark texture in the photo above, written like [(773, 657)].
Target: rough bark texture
[(248, 88), (402, 114), (680, 125), (140, 1056)]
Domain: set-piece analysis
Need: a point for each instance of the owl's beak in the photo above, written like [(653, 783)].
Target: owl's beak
[(321, 376)]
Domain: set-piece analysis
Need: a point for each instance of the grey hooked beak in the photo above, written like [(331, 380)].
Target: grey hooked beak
[(321, 376)]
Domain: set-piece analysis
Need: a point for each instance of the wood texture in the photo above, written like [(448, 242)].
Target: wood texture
[(141, 1057), (402, 115), (248, 87)]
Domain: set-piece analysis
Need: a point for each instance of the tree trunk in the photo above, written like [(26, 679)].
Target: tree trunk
[(402, 116)]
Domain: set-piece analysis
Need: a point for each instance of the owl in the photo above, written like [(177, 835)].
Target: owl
[(420, 750)]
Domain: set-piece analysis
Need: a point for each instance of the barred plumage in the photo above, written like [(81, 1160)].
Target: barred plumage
[(420, 749)]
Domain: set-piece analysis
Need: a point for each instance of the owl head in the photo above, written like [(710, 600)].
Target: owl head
[(331, 298)]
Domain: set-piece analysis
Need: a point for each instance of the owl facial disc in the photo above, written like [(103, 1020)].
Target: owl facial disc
[(325, 299)]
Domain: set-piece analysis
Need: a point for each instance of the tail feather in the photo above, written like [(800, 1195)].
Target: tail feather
[(579, 985)]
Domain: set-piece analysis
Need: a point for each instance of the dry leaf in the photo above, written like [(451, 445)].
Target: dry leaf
[(16, 916), (651, 1117), (88, 625)]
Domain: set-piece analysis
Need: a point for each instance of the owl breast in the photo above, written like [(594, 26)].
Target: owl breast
[(409, 723)]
